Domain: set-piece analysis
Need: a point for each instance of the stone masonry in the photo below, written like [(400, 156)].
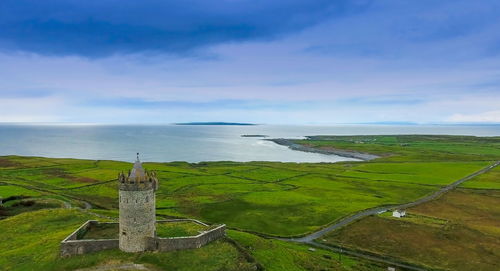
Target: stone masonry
[(137, 208), (72, 245), (137, 223)]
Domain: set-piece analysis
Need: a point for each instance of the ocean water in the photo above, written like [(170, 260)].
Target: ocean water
[(164, 143)]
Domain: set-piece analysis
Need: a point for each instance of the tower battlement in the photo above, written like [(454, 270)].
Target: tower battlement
[(138, 179), (145, 182)]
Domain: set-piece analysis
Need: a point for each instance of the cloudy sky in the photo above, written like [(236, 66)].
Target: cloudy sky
[(263, 61)]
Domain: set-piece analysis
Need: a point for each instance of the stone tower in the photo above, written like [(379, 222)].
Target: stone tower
[(137, 208)]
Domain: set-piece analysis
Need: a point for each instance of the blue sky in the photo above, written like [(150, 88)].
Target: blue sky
[(279, 62)]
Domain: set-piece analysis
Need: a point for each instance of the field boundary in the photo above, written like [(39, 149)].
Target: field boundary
[(310, 239)]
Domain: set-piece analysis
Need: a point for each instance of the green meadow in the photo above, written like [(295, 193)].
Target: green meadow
[(264, 198), (414, 147), (489, 180), (30, 241), (459, 231)]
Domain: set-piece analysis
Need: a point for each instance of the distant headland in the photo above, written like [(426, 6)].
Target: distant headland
[(216, 123)]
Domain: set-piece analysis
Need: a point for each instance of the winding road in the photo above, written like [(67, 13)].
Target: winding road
[(309, 239)]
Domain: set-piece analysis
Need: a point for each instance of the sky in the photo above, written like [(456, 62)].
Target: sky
[(260, 61)]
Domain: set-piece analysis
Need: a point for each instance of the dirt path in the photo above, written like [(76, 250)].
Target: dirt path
[(87, 205)]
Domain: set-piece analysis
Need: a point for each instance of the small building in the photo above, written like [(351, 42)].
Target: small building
[(137, 221), (399, 213)]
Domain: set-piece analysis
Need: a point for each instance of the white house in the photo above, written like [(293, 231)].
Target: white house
[(399, 213)]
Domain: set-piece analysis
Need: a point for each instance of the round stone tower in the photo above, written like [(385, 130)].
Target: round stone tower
[(137, 208)]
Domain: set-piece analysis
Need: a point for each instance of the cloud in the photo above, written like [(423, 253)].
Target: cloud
[(484, 117), (212, 105), (436, 30), (25, 93), (24, 108), (107, 27), (382, 101), (291, 61)]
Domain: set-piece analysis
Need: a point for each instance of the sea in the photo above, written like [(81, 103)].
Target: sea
[(194, 143)]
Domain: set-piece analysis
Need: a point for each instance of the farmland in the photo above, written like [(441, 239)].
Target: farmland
[(456, 232), (253, 199)]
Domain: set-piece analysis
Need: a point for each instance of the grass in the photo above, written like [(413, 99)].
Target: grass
[(418, 219), (489, 180), (7, 191), (178, 229), (269, 198), (15, 207), (414, 147), (281, 199), (432, 173), (36, 247), (102, 231), (476, 209), (280, 255), (459, 231)]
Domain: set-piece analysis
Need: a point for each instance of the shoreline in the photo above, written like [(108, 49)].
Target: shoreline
[(297, 147)]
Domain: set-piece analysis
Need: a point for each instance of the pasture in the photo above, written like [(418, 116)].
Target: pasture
[(253, 198), (278, 199), (459, 231)]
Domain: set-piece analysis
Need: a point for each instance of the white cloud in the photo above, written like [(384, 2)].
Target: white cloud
[(490, 116), (48, 109)]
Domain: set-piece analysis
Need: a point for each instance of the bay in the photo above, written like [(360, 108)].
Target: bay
[(165, 143)]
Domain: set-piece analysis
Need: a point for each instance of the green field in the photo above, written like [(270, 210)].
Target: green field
[(265, 198), (272, 198), (414, 147), (280, 255), (459, 231), (30, 241), (489, 180), (163, 229)]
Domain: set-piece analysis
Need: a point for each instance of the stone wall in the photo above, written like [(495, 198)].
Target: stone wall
[(188, 242), (73, 246)]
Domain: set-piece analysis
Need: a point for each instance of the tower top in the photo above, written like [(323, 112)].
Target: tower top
[(138, 178), (137, 171)]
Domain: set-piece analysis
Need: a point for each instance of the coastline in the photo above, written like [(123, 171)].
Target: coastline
[(297, 147)]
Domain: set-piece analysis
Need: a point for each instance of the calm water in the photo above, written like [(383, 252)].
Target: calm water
[(191, 143)]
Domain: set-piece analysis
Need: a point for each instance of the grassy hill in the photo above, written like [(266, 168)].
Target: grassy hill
[(264, 198)]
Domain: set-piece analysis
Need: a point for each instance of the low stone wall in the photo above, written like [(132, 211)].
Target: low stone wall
[(86, 246), (73, 245), (181, 220), (188, 242)]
